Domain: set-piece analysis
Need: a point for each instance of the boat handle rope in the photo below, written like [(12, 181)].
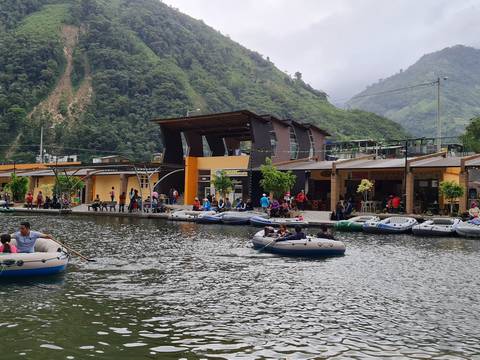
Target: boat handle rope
[(8, 262)]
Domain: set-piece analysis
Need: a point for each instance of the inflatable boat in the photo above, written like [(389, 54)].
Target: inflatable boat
[(391, 225), (49, 258), (239, 217), (188, 215), (355, 223), (206, 218), (437, 227), (309, 247), (469, 228), (262, 221)]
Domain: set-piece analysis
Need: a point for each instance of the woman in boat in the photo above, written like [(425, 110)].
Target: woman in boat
[(6, 247), (282, 231)]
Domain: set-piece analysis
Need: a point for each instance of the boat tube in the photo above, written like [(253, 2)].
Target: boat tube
[(391, 225), (262, 221), (49, 258), (354, 223), (188, 215), (469, 228), (437, 227), (309, 247), (206, 218), (239, 217)]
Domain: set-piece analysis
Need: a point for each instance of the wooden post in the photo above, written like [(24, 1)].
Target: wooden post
[(410, 192)]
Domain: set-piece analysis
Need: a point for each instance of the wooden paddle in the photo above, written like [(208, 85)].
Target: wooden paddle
[(74, 251)]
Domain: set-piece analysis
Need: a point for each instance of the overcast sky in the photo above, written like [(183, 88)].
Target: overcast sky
[(341, 46)]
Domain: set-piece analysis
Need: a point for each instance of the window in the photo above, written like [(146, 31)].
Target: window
[(293, 145), (273, 142), (143, 181), (312, 143)]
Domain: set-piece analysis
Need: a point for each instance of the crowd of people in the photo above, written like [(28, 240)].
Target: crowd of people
[(283, 207), (154, 203), (210, 203), (46, 202), (283, 234)]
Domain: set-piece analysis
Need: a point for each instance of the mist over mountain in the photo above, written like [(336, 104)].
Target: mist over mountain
[(416, 108)]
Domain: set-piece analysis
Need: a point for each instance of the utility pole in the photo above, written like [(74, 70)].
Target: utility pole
[(439, 123), (41, 145)]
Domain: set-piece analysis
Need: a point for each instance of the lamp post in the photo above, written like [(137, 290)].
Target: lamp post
[(439, 123), (191, 111)]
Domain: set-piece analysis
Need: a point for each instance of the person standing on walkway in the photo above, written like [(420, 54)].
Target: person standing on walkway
[(122, 200), (264, 203), (29, 200), (301, 200), (39, 200), (131, 197), (112, 194)]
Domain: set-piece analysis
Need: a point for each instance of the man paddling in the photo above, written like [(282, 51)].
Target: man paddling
[(27, 238)]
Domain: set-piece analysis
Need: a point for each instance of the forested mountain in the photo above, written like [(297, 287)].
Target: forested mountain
[(94, 72), (416, 108)]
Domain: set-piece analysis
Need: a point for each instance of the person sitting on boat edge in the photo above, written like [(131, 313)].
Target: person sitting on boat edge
[(206, 205), (196, 204), (298, 235), (324, 233), (6, 247), (27, 238)]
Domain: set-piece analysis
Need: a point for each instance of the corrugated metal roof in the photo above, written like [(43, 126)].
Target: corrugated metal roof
[(437, 162), (307, 165)]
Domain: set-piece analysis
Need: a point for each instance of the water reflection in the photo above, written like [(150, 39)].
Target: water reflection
[(172, 290)]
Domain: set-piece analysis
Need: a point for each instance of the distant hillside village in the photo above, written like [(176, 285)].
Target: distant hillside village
[(197, 148)]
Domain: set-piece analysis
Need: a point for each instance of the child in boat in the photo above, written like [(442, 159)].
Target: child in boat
[(298, 235), (282, 231), (6, 247)]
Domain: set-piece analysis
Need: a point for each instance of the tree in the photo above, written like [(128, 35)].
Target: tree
[(67, 185), (275, 181), (365, 187), (471, 138), (17, 186), (298, 76), (223, 184), (451, 190)]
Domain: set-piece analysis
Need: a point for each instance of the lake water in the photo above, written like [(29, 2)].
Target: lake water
[(162, 290)]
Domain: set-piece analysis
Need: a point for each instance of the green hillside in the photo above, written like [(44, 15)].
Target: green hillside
[(94, 72), (415, 109)]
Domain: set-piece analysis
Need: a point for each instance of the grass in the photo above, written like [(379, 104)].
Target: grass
[(45, 23)]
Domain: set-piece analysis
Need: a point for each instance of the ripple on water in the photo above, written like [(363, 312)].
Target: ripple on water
[(201, 291)]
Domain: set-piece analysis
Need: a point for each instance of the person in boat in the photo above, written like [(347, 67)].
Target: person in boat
[(268, 231), (196, 204), (6, 247), (325, 233), (283, 231), (27, 238), (297, 235)]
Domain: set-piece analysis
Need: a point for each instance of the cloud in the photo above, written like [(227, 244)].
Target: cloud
[(341, 46)]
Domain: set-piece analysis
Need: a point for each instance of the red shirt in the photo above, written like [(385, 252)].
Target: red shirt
[(29, 198), (13, 249), (396, 202)]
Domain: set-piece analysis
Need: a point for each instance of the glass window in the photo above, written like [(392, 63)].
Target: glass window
[(293, 144)]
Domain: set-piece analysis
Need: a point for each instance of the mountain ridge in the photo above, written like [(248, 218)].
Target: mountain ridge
[(143, 60), (415, 109)]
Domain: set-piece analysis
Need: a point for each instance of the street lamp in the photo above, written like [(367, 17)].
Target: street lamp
[(439, 123), (191, 111)]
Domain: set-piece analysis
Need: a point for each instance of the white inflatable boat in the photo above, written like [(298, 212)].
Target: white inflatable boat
[(240, 217), (262, 221), (49, 258), (188, 215), (437, 227), (469, 228), (309, 247), (391, 225)]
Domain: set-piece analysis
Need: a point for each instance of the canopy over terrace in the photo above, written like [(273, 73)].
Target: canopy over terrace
[(223, 132), (416, 178)]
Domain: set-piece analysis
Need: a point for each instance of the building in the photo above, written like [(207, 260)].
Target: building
[(239, 143)]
